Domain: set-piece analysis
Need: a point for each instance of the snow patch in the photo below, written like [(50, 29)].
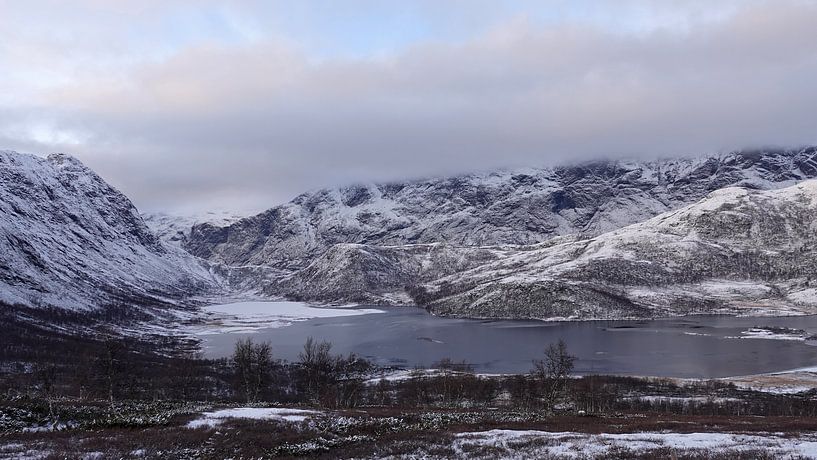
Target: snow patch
[(773, 334), (583, 445), (211, 419)]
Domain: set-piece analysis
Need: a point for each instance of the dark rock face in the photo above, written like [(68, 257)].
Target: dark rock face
[(516, 207), (204, 237), (68, 239)]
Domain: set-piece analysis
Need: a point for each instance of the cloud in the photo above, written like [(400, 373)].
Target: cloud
[(252, 122)]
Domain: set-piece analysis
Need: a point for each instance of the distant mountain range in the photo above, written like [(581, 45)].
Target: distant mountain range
[(395, 243), (605, 239), (526, 206)]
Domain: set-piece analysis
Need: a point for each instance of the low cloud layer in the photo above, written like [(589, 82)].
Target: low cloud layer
[(252, 122)]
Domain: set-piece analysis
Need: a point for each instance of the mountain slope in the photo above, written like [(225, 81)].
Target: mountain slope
[(513, 207), (378, 274), (70, 240), (736, 251)]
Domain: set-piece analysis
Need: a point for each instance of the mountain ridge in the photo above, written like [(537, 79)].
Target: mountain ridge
[(463, 246), (524, 206)]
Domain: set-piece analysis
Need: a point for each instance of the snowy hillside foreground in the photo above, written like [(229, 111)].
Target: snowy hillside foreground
[(737, 251), (70, 240), (544, 444), (503, 443), (516, 207)]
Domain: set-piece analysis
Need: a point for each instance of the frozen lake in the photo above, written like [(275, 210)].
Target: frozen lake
[(698, 346)]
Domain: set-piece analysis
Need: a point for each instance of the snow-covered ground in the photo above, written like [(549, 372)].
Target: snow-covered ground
[(211, 419), (786, 382), (533, 444), (243, 317), (660, 399), (773, 334)]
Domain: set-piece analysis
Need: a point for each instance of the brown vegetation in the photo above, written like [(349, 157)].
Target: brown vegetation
[(117, 396)]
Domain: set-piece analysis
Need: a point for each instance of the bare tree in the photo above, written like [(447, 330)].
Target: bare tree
[(110, 363), (46, 377), (349, 374), (554, 371), (318, 364), (453, 380), (253, 363)]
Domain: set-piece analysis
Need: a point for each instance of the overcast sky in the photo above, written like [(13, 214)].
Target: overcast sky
[(197, 105)]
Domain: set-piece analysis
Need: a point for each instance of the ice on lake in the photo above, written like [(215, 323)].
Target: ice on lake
[(245, 317)]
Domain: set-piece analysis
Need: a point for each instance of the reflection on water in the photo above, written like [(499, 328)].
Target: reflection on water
[(701, 346)]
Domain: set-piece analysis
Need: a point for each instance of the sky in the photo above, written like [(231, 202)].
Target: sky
[(189, 106)]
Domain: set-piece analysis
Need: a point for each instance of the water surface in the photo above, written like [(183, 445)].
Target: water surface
[(698, 346)]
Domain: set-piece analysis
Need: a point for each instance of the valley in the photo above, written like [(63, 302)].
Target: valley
[(404, 230), (694, 314)]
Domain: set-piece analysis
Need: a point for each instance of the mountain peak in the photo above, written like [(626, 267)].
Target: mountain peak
[(66, 161)]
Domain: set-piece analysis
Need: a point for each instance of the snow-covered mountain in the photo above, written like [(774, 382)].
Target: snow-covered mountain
[(70, 240), (737, 251), (174, 229), (526, 206), (379, 242), (540, 243)]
